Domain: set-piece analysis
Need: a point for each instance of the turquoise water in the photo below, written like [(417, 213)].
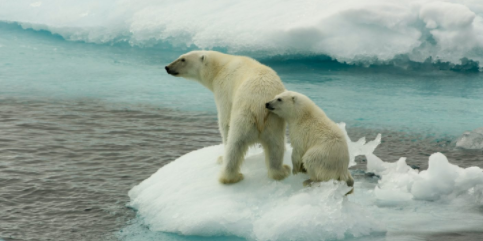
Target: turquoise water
[(412, 98), (39, 64)]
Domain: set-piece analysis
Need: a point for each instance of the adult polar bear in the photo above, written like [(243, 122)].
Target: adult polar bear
[(241, 87)]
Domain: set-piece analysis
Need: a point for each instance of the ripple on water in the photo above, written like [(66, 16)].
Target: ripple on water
[(67, 166)]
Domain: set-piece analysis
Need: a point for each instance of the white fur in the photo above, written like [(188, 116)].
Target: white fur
[(319, 145), (241, 87)]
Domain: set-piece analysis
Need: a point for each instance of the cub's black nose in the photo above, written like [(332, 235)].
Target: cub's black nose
[(166, 68)]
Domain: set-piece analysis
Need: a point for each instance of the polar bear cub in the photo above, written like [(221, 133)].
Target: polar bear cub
[(241, 86), (319, 145)]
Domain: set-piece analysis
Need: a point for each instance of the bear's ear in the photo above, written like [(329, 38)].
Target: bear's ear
[(293, 99), (202, 58)]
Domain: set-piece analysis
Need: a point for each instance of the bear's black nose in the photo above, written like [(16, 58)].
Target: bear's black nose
[(167, 68), (267, 105)]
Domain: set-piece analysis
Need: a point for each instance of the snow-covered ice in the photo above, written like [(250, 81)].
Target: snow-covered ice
[(369, 31)]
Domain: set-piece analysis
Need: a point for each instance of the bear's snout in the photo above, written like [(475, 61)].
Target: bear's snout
[(267, 105), (170, 71)]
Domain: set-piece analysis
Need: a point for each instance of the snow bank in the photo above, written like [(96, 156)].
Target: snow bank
[(184, 197), (366, 31)]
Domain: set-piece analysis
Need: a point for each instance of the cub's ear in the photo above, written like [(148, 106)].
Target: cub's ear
[(293, 99), (202, 58)]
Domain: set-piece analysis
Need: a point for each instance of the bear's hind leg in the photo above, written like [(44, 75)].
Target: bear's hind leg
[(274, 161), (273, 142), (318, 166)]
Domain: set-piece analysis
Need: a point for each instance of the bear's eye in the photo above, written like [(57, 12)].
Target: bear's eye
[(279, 99), (182, 60)]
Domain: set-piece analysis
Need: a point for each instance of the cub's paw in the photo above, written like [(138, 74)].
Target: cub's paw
[(232, 178), (302, 168), (308, 183), (279, 174), (299, 168), (219, 160)]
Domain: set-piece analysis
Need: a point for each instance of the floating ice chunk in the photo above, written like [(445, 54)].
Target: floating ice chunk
[(445, 180), (471, 140), (399, 182), (438, 180), (185, 197), (396, 181), (442, 181)]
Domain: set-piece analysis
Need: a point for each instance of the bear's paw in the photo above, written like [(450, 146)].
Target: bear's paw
[(230, 178), (279, 174)]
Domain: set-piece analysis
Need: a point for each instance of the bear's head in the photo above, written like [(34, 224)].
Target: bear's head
[(187, 65), (287, 105)]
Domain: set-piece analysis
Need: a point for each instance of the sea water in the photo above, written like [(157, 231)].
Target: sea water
[(88, 112)]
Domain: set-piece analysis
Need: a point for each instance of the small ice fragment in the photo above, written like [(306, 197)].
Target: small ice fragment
[(471, 140)]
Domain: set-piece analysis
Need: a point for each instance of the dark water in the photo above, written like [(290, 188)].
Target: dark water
[(417, 147), (66, 165)]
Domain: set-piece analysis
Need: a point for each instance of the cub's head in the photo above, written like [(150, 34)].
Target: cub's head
[(286, 104), (187, 65)]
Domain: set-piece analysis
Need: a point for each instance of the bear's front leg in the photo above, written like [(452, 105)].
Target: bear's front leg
[(227, 177), (224, 131), (224, 112), (223, 124), (239, 138), (234, 154), (224, 135), (273, 141)]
